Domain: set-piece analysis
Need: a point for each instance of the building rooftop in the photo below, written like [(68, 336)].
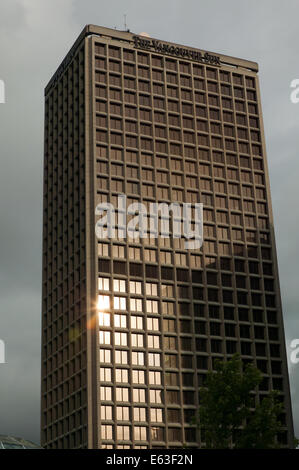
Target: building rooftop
[(129, 38)]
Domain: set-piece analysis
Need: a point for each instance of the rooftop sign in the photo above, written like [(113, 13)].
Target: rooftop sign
[(177, 51)]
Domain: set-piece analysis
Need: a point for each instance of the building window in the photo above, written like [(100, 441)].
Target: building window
[(118, 251), (138, 358), (105, 374), (106, 413), (105, 356), (138, 377), (150, 255), (137, 340), (103, 283), (167, 308), (122, 413), (137, 323), (138, 395), (120, 303), (123, 433), (174, 416), (157, 434), (135, 287), (134, 253), (122, 394), (169, 325), (151, 306), (121, 376), (140, 414), (140, 433), (121, 357), (171, 378), (103, 249), (153, 324), (167, 290), (153, 341), (154, 360), (121, 339), (155, 396), (105, 337), (106, 393), (136, 305), (170, 342), (120, 321), (156, 415), (154, 378), (103, 302), (119, 285), (165, 257), (106, 432), (151, 289), (104, 319)]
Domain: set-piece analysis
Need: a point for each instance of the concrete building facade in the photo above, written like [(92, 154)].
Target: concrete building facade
[(131, 327)]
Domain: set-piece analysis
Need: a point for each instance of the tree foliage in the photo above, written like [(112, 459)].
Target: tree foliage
[(228, 417)]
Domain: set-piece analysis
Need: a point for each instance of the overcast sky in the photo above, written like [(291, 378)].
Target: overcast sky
[(35, 35)]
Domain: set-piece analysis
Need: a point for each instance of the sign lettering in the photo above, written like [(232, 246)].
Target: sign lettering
[(164, 48)]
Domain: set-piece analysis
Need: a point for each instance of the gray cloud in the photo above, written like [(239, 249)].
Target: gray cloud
[(34, 37)]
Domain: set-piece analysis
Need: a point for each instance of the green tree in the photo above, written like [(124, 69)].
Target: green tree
[(227, 415)]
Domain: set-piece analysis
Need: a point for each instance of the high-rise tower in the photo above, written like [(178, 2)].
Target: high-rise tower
[(131, 327)]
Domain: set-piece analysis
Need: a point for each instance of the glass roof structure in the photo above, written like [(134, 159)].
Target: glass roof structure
[(10, 442)]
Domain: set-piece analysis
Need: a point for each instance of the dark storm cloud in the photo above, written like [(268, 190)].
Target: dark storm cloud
[(29, 52), (34, 37)]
